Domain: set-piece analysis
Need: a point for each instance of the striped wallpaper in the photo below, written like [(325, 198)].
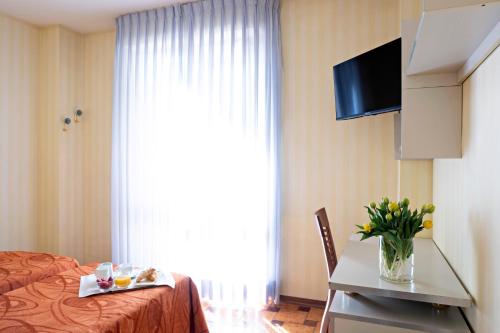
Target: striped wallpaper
[(19, 49), (60, 154), (54, 185), (98, 91), (74, 168), (339, 165), (48, 143)]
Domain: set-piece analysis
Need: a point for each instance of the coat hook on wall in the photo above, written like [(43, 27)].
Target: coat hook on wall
[(78, 115), (66, 122)]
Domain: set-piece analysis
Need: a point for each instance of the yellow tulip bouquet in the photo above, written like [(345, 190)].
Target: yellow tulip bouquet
[(397, 225)]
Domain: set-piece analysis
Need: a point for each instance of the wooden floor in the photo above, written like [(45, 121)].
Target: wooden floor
[(284, 318)]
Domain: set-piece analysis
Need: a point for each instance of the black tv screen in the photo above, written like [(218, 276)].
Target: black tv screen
[(369, 83)]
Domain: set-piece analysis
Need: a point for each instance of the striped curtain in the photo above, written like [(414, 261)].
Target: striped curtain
[(196, 145)]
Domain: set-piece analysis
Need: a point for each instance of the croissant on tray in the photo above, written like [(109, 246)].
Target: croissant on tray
[(147, 275)]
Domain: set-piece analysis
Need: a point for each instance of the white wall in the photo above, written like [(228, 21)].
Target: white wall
[(467, 197)]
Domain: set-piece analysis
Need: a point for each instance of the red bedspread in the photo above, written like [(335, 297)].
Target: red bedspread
[(18, 268), (52, 305)]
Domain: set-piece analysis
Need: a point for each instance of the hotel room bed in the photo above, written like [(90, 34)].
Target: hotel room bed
[(53, 305), (19, 268)]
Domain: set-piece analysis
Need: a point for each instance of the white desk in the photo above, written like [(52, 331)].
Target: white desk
[(435, 282), (384, 307)]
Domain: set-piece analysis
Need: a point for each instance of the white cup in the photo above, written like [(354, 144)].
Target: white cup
[(125, 269)]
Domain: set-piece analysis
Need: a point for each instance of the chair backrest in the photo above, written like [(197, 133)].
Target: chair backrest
[(326, 237)]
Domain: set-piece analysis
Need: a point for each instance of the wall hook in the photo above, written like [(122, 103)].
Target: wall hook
[(78, 114), (67, 122)]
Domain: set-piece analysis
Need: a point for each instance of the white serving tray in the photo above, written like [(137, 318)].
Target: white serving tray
[(88, 284)]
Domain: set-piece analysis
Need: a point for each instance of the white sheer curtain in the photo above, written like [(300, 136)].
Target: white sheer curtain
[(195, 145)]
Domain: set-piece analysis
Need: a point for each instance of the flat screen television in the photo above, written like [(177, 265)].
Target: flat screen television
[(369, 83)]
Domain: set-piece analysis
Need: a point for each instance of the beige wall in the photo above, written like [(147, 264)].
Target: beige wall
[(71, 227), (54, 185), (19, 50), (48, 145), (60, 154), (415, 183), (77, 71), (340, 165), (467, 194), (96, 124)]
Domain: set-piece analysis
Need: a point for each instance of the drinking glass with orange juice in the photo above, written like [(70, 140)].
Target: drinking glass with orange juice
[(123, 281)]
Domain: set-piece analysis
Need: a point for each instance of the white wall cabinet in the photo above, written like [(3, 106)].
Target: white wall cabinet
[(430, 124), (439, 51), (450, 32)]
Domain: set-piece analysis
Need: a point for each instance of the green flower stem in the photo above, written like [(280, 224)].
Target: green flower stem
[(395, 254)]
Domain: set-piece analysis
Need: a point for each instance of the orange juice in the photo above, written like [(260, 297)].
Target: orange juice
[(122, 281)]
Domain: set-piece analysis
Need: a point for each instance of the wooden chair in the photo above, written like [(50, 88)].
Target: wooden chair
[(331, 260)]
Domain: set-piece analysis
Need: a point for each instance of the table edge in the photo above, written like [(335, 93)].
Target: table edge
[(444, 300)]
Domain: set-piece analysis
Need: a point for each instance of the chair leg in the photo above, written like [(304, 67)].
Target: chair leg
[(325, 321)]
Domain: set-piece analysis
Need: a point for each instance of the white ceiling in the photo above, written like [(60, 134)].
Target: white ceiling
[(79, 15)]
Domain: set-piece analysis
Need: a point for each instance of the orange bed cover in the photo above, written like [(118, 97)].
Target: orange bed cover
[(19, 268), (52, 305)]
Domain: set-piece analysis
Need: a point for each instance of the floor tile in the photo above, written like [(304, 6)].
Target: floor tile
[(297, 328), (297, 317), (315, 314), (277, 322), (267, 315), (273, 308), (311, 323), (304, 308), (282, 318)]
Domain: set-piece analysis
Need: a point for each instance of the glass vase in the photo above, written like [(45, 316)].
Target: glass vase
[(396, 259)]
